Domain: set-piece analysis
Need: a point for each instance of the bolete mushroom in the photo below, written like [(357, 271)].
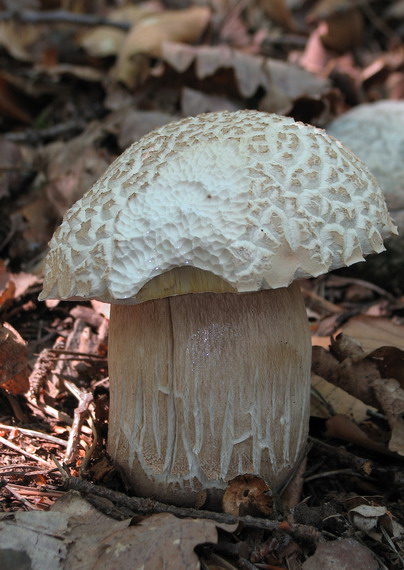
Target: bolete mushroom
[(375, 133), (196, 235)]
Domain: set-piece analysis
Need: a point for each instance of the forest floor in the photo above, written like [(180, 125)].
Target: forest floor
[(81, 80)]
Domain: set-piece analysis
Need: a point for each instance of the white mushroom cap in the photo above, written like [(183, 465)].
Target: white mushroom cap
[(254, 198), (375, 133)]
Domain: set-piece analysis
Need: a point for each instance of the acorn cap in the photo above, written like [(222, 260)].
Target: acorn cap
[(255, 199)]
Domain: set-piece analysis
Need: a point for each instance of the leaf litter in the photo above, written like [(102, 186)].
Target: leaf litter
[(78, 85)]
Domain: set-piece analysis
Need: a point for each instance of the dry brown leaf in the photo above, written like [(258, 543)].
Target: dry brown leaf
[(344, 31), (12, 101), (7, 286), (341, 554), (13, 361), (360, 374), (251, 72), (374, 332), (147, 37), (342, 427), (104, 41), (371, 518), (135, 124), (159, 541), (11, 164), (391, 398), (278, 11), (324, 9), (327, 395), (73, 167), (73, 534), (195, 102), (17, 39)]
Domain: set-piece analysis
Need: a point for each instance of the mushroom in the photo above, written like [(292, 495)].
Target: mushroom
[(375, 133), (196, 235)]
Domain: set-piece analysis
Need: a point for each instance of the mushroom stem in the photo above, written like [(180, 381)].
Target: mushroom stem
[(207, 386)]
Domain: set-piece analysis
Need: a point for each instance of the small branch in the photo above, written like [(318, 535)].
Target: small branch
[(84, 355), (22, 451), (81, 413), (149, 506), (38, 434), (20, 498), (59, 17), (38, 136)]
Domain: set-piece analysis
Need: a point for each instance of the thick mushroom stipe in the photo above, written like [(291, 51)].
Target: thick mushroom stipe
[(195, 235), (208, 386)]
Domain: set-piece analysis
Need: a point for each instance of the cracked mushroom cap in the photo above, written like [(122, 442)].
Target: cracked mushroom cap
[(256, 199)]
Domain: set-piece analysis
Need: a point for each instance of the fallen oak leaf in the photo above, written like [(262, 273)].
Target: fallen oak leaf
[(391, 397), (158, 541), (360, 376), (342, 427), (146, 38), (374, 332), (251, 72)]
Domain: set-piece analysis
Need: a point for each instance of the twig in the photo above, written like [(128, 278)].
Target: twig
[(37, 136), (35, 491), (76, 353), (149, 506), (62, 470), (59, 16), (33, 433), (22, 451), (81, 413), (22, 499), (346, 471), (90, 450)]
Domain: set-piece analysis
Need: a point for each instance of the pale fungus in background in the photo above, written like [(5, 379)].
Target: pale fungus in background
[(196, 235), (375, 133)]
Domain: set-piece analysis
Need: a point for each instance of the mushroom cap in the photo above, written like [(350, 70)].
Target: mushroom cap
[(256, 199), (375, 133)]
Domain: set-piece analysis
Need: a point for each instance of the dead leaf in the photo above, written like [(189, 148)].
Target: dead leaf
[(374, 332), (391, 400), (147, 37), (73, 534), (7, 286), (73, 167), (342, 427), (159, 541), (336, 399), (344, 31), (341, 554), (370, 519), (11, 165), (195, 102), (13, 361), (13, 103), (251, 72), (342, 24), (135, 124), (279, 12), (17, 39), (104, 41), (248, 495)]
